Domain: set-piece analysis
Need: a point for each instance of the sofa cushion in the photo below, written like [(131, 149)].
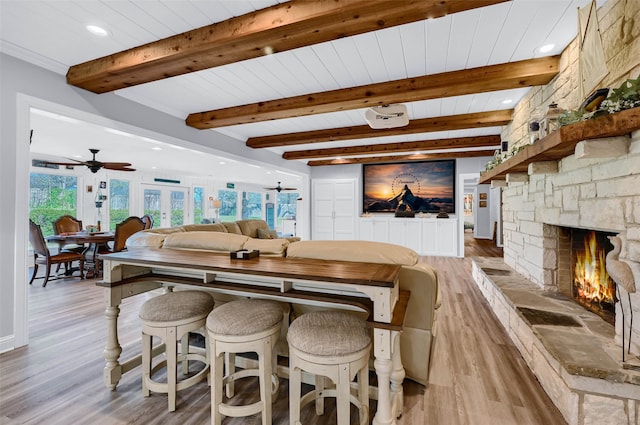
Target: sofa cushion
[(165, 230), (205, 241), (267, 234), (269, 247), (146, 240), (250, 227), (211, 227), (232, 227), (364, 251)]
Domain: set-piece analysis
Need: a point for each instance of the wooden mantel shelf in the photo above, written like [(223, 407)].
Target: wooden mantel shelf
[(562, 142)]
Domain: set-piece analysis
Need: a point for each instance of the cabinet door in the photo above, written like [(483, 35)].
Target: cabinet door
[(412, 234), (380, 229), (365, 229), (397, 231), (429, 237), (447, 238)]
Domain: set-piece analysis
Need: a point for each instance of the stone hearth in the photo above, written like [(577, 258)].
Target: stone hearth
[(571, 351)]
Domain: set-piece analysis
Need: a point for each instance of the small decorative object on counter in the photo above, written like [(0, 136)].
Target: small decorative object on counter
[(244, 254), (534, 131), (549, 123)]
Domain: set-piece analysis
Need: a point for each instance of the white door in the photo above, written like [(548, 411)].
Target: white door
[(168, 205), (333, 209)]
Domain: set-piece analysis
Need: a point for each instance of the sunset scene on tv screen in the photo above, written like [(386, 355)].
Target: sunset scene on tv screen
[(426, 186)]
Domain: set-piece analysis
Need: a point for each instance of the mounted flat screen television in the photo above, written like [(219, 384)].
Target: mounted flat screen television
[(421, 187)]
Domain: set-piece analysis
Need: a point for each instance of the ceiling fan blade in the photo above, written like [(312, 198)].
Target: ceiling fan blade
[(116, 164), (66, 164)]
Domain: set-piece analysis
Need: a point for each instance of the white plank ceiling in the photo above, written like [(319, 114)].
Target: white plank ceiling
[(52, 34)]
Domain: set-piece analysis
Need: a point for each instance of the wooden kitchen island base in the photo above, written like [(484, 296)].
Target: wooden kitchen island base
[(368, 287)]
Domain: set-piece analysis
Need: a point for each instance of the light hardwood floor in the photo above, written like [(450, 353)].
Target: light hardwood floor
[(477, 375)]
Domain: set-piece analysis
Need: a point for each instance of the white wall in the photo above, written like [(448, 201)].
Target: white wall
[(354, 171), (24, 85)]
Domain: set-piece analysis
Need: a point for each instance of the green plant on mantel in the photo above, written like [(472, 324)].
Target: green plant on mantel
[(625, 97), (500, 157)]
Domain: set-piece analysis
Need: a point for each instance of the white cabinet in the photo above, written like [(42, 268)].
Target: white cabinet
[(333, 209), (406, 232), (426, 236), (374, 229), (447, 237), (429, 237)]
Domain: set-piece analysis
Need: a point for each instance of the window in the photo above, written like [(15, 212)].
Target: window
[(251, 205), (198, 204), (118, 202), (228, 207), (287, 206), (51, 196)]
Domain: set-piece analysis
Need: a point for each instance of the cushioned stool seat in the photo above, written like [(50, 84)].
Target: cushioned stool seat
[(331, 344), (236, 327), (171, 317)]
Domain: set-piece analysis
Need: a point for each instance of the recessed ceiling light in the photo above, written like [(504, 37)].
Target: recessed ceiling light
[(221, 162), (507, 101), (96, 30), (546, 48), (156, 148), (154, 168)]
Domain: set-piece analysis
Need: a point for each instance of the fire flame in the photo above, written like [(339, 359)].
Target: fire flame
[(591, 279)]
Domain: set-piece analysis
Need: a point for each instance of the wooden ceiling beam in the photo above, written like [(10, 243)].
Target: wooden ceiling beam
[(400, 158), (425, 125), (278, 28), (526, 73), (384, 148)]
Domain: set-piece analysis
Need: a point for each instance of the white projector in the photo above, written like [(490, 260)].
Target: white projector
[(387, 116)]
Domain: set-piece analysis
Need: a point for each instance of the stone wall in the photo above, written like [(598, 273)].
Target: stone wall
[(596, 193), (620, 33)]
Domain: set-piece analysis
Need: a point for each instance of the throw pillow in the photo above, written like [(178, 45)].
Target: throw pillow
[(267, 234)]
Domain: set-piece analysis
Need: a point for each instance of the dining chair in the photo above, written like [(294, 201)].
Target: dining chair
[(147, 219), (68, 224), (41, 254), (124, 229)]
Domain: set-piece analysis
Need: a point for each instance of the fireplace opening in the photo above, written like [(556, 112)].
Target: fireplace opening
[(591, 285)]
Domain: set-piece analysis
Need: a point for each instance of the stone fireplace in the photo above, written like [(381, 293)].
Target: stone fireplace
[(575, 353), (601, 194)]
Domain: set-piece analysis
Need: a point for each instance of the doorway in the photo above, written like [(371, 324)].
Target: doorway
[(167, 205)]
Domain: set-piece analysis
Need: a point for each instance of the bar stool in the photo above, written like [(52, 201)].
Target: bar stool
[(250, 325), (171, 317), (333, 344)]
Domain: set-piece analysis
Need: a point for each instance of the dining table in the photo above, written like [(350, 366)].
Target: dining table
[(368, 287), (96, 243)]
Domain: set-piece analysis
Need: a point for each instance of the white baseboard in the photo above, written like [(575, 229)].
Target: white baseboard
[(7, 343)]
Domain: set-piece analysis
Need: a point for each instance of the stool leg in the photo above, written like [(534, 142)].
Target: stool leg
[(172, 367), (146, 362), (216, 363), (343, 393), (363, 393), (184, 350), (230, 365), (294, 392), (320, 386), (264, 364)]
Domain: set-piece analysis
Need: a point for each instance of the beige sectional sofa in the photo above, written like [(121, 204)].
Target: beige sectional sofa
[(421, 279)]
